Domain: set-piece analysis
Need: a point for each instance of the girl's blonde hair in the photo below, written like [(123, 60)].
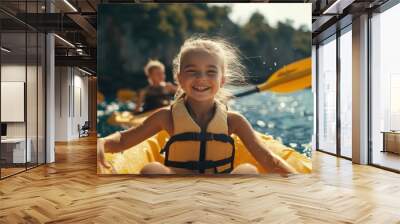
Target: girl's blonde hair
[(233, 70), (153, 64)]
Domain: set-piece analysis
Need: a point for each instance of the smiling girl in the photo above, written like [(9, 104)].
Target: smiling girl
[(199, 122)]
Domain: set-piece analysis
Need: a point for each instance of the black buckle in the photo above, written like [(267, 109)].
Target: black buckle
[(206, 164), (203, 136), (199, 165)]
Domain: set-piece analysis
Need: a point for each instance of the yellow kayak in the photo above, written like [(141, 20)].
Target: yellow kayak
[(127, 119), (132, 160)]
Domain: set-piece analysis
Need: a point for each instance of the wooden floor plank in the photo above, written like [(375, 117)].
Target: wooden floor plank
[(70, 191)]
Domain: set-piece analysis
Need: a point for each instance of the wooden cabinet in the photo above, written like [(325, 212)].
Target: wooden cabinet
[(391, 142)]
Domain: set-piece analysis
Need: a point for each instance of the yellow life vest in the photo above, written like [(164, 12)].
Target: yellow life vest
[(190, 148)]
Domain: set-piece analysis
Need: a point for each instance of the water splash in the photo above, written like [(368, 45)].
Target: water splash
[(260, 123)]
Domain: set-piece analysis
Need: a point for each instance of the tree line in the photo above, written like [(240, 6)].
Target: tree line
[(129, 35)]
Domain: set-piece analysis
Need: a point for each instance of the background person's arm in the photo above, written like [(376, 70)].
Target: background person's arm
[(140, 100), (171, 88)]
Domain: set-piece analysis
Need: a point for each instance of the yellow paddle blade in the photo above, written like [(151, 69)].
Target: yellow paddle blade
[(290, 78)]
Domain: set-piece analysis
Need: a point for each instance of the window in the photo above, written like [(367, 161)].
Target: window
[(22, 67), (346, 93), (327, 95), (385, 88)]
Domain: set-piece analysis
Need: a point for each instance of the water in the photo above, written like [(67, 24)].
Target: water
[(287, 117)]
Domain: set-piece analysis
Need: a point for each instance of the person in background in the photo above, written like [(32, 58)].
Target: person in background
[(158, 93)]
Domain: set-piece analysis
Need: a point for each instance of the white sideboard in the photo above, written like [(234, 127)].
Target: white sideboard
[(17, 146)]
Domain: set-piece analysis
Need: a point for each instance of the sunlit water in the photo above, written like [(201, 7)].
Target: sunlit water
[(287, 117)]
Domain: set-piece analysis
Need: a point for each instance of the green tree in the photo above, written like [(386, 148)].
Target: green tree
[(131, 34)]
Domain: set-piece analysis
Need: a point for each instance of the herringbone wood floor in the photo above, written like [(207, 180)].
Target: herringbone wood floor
[(69, 191)]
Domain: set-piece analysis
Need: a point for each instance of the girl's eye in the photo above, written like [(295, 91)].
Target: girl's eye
[(212, 73), (190, 73)]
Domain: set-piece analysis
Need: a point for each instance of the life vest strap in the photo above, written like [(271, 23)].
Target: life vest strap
[(195, 136), (229, 170), (199, 165)]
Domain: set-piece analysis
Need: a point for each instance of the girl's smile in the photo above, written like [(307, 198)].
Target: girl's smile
[(200, 88)]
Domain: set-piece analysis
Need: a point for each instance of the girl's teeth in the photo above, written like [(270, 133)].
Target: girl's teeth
[(200, 88)]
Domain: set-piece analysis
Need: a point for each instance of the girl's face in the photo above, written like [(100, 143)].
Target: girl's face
[(200, 75), (156, 76)]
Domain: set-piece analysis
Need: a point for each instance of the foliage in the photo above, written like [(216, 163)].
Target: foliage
[(131, 34)]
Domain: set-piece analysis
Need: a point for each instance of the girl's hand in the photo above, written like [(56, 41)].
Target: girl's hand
[(101, 160), (271, 162), (282, 167)]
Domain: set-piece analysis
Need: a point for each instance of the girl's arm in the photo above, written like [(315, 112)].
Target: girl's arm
[(121, 141), (271, 162)]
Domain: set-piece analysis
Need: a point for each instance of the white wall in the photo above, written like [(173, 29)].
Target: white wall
[(33, 127), (71, 94), (80, 111), (14, 73), (61, 103), (50, 98)]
